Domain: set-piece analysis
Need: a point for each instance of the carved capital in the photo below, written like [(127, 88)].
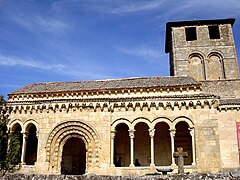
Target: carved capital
[(172, 132), (131, 133), (191, 131), (151, 132), (113, 133)]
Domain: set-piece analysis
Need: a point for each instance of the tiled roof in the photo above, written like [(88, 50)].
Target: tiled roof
[(229, 101), (127, 83)]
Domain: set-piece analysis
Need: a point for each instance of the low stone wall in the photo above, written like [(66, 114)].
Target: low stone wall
[(222, 176)]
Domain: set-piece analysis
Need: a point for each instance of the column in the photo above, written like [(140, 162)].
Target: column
[(131, 135), (113, 133), (192, 133), (172, 135), (151, 134), (24, 145)]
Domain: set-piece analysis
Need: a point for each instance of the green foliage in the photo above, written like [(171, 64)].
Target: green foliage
[(10, 154)]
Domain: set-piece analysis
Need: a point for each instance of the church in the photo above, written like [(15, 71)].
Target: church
[(133, 126)]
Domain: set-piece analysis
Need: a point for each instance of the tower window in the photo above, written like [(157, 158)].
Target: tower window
[(191, 34), (214, 32)]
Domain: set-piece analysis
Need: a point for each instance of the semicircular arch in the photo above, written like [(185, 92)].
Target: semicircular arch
[(11, 124), (141, 119), (120, 121), (196, 53), (27, 124), (183, 119), (67, 129), (162, 119), (215, 53)]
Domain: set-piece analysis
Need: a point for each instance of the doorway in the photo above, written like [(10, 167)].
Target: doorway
[(74, 157)]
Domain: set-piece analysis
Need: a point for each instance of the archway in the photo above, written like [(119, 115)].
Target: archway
[(31, 147), (18, 136), (142, 144), (183, 139), (74, 157), (62, 133), (162, 142), (122, 146)]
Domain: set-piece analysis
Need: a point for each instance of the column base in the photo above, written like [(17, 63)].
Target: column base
[(152, 165), (131, 165)]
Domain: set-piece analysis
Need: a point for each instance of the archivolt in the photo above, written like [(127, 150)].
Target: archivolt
[(69, 129), (183, 119)]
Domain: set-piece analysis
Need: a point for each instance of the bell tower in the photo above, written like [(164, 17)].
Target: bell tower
[(202, 49)]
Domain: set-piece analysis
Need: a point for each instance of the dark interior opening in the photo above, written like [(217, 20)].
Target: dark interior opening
[(214, 32), (191, 33)]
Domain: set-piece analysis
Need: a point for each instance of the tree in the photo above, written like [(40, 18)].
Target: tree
[(10, 147)]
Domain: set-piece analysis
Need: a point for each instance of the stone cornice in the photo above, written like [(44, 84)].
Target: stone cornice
[(104, 92), (113, 104)]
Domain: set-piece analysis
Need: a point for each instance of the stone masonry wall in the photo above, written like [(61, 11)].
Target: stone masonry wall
[(224, 88)]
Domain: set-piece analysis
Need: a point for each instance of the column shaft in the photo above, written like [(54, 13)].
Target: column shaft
[(112, 148), (131, 134), (192, 133), (172, 134), (151, 134), (24, 145)]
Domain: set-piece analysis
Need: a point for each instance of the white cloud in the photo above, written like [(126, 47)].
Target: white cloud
[(39, 23), (142, 51), (83, 70), (139, 6), (28, 62)]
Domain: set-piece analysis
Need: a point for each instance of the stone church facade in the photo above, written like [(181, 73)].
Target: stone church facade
[(104, 126)]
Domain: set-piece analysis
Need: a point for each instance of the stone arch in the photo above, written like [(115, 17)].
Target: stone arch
[(30, 131), (183, 119), (70, 128), (61, 147), (162, 144), (142, 151), (16, 128), (162, 119), (121, 145), (215, 66), (143, 120), (13, 123), (120, 121), (196, 66), (28, 123), (183, 137)]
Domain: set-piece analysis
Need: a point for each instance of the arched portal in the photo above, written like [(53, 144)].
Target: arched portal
[(142, 144), (31, 147), (162, 143), (122, 146), (183, 139), (73, 157), (60, 135)]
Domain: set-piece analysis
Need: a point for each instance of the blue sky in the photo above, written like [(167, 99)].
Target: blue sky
[(69, 40)]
